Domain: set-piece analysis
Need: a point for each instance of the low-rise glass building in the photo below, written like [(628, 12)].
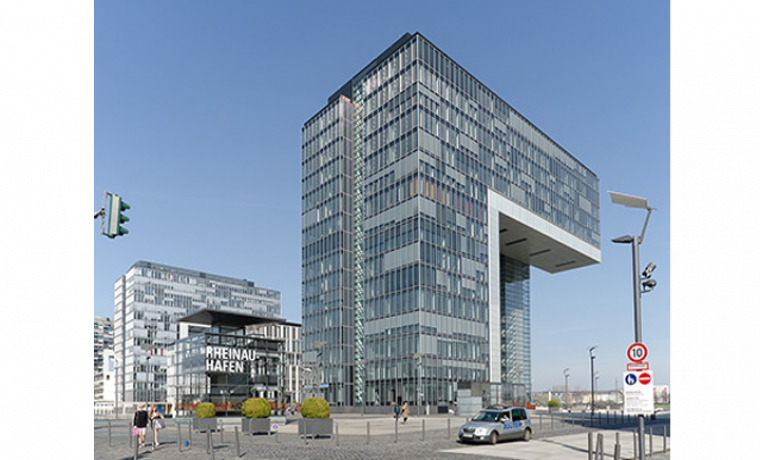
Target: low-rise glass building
[(220, 358)]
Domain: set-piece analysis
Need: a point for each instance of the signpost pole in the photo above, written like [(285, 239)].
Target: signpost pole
[(637, 324)]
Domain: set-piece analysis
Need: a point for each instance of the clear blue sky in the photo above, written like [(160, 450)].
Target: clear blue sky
[(199, 106)]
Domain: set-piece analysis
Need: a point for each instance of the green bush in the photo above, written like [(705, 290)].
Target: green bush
[(553, 403), (256, 408), (205, 410), (315, 408)]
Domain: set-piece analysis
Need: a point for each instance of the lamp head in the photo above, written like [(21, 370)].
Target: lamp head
[(648, 270), (627, 239)]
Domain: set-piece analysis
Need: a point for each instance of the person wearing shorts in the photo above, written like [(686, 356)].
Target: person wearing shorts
[(141, 423)]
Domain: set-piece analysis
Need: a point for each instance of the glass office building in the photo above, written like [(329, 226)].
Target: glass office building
[(426, 199)]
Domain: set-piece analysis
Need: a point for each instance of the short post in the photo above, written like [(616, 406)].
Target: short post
[(600, 446), (423, 429), (617, 446), (237, 442), (395, 438), (109, 433), (137, 447), (635, 446), (131, 432), (552, 423), (276, 436), (590, 446), (190, 432), (367, 432), (179, 441), (664, 438), (651, 441), (540, 423), (221, 433), (208, 440), (448, 427), (337, 436)]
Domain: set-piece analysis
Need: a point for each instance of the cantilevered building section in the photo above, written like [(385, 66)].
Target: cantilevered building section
[(426, 200)]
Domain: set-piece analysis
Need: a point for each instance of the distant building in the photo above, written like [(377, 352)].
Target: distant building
[(150, 299), (103, 340)]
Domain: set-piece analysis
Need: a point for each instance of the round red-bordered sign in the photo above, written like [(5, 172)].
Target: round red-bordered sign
[(645, 378), (637, 352)]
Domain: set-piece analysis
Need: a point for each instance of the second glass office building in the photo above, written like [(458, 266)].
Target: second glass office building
[(426, 200)]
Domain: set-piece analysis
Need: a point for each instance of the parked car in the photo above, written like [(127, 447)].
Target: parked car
[(497, 424)]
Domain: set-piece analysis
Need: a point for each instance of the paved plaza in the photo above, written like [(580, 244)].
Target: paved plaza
[(553, 439)]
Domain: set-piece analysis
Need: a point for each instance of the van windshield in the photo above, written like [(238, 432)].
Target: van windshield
[(485, 416)]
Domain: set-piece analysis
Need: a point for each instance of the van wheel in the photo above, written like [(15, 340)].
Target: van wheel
[(494, 437), (526, 435)]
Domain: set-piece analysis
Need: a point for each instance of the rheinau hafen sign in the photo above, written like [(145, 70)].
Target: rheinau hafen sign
[(228, 360), (638, 394)]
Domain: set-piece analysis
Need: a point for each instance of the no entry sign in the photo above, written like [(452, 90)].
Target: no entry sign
[(637, 352), (645, 378)]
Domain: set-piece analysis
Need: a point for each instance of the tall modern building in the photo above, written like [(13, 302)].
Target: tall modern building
[(149, 301), (426, 198), (103, 347)]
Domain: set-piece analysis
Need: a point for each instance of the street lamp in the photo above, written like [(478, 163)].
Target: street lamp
[(592, 358), (566, 371), (635, 241)]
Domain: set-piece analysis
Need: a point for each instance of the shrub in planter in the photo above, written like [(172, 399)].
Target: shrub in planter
[(256, 412), (316, 419), (205, 417), (256, 408), (315, 408)]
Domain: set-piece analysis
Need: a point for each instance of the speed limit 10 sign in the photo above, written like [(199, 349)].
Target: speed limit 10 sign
[(637, 352)]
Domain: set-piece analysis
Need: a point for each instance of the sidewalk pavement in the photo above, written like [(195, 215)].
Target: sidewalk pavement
[(439, 443)]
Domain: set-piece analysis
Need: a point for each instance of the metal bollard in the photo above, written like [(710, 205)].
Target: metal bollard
[(276, 436), (208, 440), (617, 446), (635, 446), (221, 433), (651, 442), (590, 446), (423, 429), (395, 438), (552, 423), (599, 446), (190, 432), (448, 427), (109, 433), (337, 436), (540, 423), (137, 447), (367, 432), (131, 433), (664, 438), (211, 443), (237, 442), (179, 436)]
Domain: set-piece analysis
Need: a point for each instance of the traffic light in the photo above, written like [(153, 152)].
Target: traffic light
[(114, 215)]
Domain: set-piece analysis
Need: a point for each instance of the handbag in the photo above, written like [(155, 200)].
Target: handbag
[(160, 424), (134, 433)]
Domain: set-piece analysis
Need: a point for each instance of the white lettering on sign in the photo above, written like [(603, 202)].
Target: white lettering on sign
[(228, 360)]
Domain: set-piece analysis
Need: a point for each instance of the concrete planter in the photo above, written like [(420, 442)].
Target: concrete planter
[(203, 424), (256, 425), (315, 427)]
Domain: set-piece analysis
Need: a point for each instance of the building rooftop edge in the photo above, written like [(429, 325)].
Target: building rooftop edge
[(196, 273)]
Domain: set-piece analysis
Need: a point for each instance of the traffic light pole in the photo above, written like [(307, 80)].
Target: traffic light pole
[(637, 321)]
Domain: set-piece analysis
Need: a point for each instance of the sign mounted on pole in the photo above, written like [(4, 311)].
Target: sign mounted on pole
[(637, 366), (637, 352), (638, 393)]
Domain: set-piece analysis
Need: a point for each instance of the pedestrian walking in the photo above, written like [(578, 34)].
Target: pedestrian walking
[(156, 422), (405, 411), (140, 421), (396, 411)]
